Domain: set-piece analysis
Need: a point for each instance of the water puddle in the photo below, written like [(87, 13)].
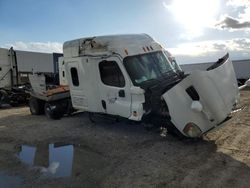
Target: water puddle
[(54, 160), (7, 181), (63, 160)]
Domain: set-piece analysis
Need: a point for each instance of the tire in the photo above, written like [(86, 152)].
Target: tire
[(174, 131), (36, 106), (53, 111), (3, 97)]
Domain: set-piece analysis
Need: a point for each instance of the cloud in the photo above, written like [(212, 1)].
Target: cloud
[(244, 14), (232, 23), (166, 5), (241, 21), (205, 47), (193, 16), (238, 48), (48, 47), (52, 169), (196, 49), (241, 44)]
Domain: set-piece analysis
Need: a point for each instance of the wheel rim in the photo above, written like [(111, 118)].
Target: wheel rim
[(32, 108), (48, 110)]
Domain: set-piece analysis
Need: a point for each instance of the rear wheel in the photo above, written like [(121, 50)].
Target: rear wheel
[(3, 97), (36, 106), (173, 130), (53, 111)]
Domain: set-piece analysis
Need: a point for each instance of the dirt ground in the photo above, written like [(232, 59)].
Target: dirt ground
[(122, 154)]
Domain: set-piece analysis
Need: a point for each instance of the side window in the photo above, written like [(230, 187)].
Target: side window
[(74, 76), (111, 74)]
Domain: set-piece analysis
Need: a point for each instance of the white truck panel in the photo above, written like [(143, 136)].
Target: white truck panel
[(34, 62), (187, 68), (217, 98), (38, 83), (241, 68), (4, 60), (62, 72), (5, 77), (106, 45), (85, 95)]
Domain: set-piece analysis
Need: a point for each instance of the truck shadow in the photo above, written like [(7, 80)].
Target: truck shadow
[(165, 162), (7, 106), (121, 155)]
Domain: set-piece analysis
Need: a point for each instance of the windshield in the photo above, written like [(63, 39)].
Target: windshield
[(173, 61), (147, 67)]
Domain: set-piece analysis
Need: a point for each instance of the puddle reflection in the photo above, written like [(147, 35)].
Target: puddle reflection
[(61, 160), (55, 160)]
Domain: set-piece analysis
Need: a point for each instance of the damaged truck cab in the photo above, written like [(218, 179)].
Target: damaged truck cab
[(134, 77)]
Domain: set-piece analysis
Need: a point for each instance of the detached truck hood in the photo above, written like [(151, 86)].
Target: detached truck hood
[(204, 98)]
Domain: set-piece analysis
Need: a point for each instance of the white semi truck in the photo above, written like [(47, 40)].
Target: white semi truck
[(12, 83), (15, 68), (134, 77)]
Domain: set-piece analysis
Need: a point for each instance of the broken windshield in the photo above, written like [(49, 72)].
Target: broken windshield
[(146, 67)]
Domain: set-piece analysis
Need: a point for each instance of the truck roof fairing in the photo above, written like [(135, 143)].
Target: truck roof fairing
[(124, 45)]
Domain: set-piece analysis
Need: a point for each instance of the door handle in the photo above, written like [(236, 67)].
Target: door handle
[(121, 93)]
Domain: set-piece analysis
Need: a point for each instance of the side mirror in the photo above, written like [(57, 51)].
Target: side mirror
[(121, 93)]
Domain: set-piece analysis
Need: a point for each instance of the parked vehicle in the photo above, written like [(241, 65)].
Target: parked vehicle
[(15, 68), (12, 84), (241, 68), (134, 77)]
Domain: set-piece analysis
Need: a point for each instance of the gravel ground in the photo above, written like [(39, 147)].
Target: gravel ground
[(120, 154)]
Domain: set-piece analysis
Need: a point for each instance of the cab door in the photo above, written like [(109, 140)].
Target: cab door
[(75, 73), (114, 88)]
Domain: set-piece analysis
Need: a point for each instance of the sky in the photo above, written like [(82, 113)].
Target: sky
[(194, 31)]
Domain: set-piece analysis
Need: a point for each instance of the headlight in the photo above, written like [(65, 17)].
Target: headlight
[(192, 130), (196, 106)]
